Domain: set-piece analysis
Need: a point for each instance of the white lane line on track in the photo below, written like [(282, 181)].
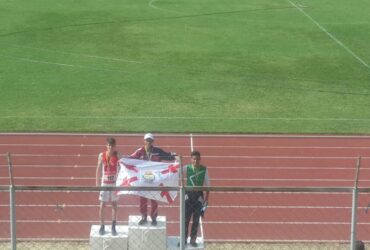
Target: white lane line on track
[(191, 143), (213, 156), (248, 136), (51, 155), (49, 178), (49, 166), (281, 222), (353, 54), (231, 168), (288, 168), (203, 146), (184, 146), (279, 241), (281, 180), (284, 157)]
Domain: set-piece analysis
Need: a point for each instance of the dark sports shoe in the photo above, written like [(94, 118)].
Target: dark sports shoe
[(114, 232), (193, 243), (102, 230), (143, 221), (154, 222), (178, 244)]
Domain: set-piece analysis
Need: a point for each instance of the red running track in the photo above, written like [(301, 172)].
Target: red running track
[(233, 160)]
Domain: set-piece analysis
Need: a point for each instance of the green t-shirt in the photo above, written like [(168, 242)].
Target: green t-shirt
[(195, 175)]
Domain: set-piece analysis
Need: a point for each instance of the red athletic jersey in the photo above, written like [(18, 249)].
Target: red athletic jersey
[(109, 168), (157, 154)]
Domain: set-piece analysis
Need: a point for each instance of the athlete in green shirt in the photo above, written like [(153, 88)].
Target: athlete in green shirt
[(197, 175)]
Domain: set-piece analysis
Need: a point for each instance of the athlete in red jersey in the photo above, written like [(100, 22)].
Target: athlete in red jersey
[(150, 153), (106, 175)]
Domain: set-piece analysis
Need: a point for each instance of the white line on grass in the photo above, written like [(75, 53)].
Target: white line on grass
[(151, 5), (353, 54), (78, 54), (182, 117), (100, 57), (63, 64)]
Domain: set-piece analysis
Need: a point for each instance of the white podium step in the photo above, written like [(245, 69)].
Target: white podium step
[(144, 237), (108, 241), (173, 241)]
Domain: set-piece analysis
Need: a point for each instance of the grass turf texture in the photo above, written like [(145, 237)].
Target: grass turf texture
[(256, 66)]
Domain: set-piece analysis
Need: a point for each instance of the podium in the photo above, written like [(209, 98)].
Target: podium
[(108, 241), (138, 237), (143, 237), (173, 241)]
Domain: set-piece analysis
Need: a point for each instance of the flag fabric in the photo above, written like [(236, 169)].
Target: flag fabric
[(138, 173)]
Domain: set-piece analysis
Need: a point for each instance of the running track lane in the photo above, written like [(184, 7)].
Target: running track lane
[(70, 159)]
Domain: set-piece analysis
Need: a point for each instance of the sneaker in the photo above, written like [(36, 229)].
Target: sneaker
[(193, 243), (142, 221), (114, 232), (154, 222), (178, 244), (102, 230)]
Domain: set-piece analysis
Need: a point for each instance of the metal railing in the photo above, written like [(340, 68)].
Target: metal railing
[(237, 217)]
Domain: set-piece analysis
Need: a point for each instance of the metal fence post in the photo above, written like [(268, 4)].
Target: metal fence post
[(182, 207), (354, 206), (13, 230), (182, 218)]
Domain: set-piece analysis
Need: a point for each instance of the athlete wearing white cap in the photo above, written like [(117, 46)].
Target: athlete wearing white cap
[(150, 153)]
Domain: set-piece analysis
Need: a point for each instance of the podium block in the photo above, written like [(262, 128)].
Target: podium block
[(108, 241), (173, 241), (143, 237)]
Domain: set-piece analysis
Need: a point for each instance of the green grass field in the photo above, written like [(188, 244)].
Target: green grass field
[(250, 66)]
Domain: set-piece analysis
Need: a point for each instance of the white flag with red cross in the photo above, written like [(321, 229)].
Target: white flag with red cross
[(139, 173)]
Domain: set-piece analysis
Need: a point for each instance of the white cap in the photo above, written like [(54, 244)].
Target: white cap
[(148, 136)]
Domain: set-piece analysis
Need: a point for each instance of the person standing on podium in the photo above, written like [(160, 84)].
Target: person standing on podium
[(195, 201), (106, 176), (150, 153)]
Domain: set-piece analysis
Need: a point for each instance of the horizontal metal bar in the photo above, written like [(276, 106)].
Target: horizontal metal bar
[(92, 188), (211, 189), (273, 189)]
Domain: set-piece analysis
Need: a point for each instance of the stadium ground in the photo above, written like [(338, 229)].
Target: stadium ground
[(233, 160)]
